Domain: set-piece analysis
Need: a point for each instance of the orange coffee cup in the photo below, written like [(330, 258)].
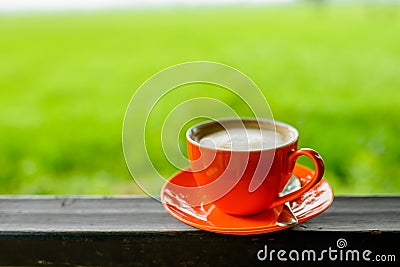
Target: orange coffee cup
[(241, 165)]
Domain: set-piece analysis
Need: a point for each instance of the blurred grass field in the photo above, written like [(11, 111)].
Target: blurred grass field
[(66, 79)]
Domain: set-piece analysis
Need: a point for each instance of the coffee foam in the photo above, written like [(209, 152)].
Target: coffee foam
[(244, 139)]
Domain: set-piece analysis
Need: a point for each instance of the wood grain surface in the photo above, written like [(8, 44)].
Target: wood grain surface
[(137, 231)]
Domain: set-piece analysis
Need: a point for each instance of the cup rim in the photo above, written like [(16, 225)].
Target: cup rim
[(232, 120)]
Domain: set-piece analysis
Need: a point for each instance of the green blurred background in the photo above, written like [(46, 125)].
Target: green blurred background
[(66, 79)]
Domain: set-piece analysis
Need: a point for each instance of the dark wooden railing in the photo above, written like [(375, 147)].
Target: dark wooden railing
[(137, 231)]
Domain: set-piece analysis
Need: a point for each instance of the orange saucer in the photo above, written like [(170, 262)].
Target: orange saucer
[(208, 217)]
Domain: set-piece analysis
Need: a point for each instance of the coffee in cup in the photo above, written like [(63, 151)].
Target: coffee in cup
[(239, 138)]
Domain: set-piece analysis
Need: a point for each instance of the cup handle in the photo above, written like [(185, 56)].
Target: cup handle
[(318, 174)]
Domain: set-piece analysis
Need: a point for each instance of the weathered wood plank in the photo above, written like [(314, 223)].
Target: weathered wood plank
[(353, 214), (134, 214), (124, 231), (75, 214)]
